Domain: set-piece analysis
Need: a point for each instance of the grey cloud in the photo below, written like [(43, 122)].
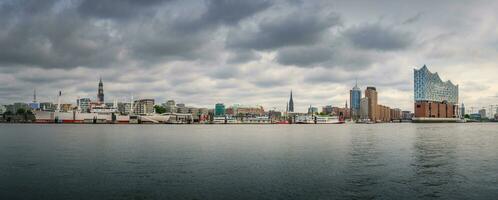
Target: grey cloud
[(335, 55), (379, 37), (53, 39), (116, 9), (231, 12), (304, 56), (295, 28), (243, 56)]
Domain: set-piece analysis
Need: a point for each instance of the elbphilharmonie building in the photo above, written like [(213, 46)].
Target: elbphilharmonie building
[(429, 87), (434, 98)]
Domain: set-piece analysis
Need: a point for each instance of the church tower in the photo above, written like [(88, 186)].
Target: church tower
[(291, 103), (100, 94)]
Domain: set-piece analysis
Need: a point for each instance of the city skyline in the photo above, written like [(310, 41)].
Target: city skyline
[(238, 52)]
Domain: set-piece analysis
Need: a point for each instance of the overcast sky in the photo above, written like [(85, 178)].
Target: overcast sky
[(252, 52)]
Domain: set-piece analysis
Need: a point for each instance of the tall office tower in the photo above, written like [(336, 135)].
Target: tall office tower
[(371, 94), (354, 101)]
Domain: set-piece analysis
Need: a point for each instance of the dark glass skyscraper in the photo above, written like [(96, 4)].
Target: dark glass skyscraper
[(291, 103), (100, 94)]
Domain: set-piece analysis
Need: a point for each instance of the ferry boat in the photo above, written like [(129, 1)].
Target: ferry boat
[(328, 120), (224, 120), (308, 119)]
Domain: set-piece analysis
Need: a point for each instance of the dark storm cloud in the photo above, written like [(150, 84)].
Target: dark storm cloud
[(332, 56), (243, 56), (116, 9), (379, 37), (36, 35), (231, 12), (294, 28)]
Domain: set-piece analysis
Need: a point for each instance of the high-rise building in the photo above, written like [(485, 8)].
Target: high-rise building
[(364, 105), (291, 103), (219, 109), (143, 106), (371, 94), (100, 93), (83, 104), (433, 97), (354, 101), (462, 111)]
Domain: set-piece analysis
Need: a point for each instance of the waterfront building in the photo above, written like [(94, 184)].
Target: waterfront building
[(16, 106), (291, 103), (406, 115), (482, 112), (364, 105), (100, 92), (354, 101), (170, 106), (66, 107), (371, 94), (383, 113), (180, 108), (47, 106), (2, 109), (462, 111), (312, 110), (143, 106), (83, 104), (327, 110), (124, 108), (203, 111), (395, 114), (433, 97), (219, 109), (245, 111)]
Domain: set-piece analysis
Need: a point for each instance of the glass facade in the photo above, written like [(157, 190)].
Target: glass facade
[(355, 101), (219, 109), (429, 87)]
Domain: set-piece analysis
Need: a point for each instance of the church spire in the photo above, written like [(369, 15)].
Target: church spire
[(291, 103), (34, 95), (100, 93)]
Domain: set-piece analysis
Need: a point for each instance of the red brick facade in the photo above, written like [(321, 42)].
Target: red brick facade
[(435, 109)]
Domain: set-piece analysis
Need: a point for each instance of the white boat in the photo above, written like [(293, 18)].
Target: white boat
[(304, 119), (328, 120), (224, 120)]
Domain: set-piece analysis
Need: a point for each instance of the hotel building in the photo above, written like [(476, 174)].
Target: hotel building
[(433, 97)]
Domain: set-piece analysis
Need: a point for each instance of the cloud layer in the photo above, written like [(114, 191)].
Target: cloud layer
[(248, 52)]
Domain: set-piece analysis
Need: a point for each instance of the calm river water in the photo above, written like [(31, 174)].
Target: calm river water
[(382, 161)]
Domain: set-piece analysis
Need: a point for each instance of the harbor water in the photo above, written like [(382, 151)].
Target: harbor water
[(349, 161)]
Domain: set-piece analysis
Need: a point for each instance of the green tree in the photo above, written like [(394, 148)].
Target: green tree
[(159, 109), (21, 111), (467, 116)]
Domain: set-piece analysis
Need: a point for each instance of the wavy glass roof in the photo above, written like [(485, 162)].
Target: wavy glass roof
[(428, 86)]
